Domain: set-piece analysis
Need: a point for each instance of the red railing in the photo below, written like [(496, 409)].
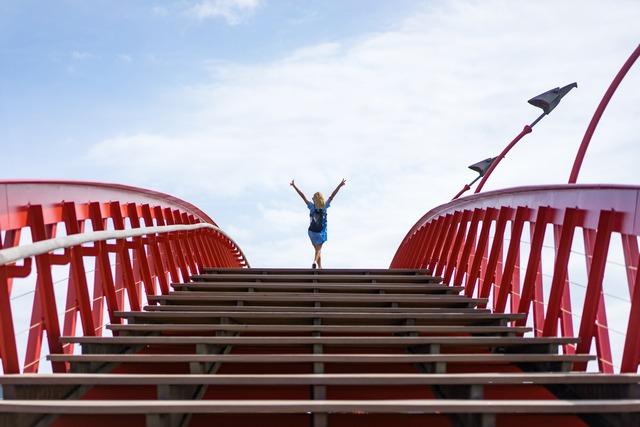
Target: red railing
[(149, 237), (478, 241)]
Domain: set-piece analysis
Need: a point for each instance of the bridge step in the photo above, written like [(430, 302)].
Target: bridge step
[(572, 378), (317, 308), (413, 406), (311, 340), (418, 288), (329, 318), (142, 328), (317, 278), (556, 362), (324, 271), (487, 412), (205, 298)]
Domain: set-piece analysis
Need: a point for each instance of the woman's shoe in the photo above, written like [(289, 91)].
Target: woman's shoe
[(313, 265)]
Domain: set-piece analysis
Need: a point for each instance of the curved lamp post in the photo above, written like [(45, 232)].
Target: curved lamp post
[(547, 102), (596, 116), (481, 167)]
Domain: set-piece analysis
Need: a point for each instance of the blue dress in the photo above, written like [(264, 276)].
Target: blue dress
[(319, 237)]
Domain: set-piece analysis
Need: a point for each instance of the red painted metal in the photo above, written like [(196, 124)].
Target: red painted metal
[(631, 354), (463, 190), (143, 264), (464, 262), (538, 295), (444, 228), (48, 313), (531, 291), (526, 130), (454, 255), (597, 250), (506, 284), (8, 347), (431, 244), (496, 252), (481, 248), (572, 219), (577, 164), (448, 240), (456, 247)]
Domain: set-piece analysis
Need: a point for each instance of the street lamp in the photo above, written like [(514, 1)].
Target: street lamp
[(481, 167), (547, 102)]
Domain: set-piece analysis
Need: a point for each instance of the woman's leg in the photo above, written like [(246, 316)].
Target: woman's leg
[(319, 256), (317, 253)]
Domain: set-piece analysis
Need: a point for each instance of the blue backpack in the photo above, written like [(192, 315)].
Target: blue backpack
[(317, 220)]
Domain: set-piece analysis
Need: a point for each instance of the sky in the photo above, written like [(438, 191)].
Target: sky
[(223, 102)]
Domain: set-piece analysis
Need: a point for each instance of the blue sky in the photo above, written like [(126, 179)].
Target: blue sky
[(68, 64), (222, 102)]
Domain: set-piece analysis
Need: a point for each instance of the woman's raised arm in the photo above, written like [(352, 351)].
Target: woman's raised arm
[(293, 184), (343, 182)]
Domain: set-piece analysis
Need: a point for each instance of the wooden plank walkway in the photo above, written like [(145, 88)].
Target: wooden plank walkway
[(315, 344)]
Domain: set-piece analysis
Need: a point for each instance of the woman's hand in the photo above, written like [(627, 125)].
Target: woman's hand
[(293, 184), (343, 182)]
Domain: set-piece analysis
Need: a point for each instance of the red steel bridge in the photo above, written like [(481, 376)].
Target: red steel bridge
[(130, 307)]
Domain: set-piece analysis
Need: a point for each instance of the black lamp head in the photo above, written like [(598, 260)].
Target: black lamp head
[(482, 166), (548, 100)]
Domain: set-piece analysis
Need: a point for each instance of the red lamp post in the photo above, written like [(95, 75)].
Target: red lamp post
[(598, 113), (480, 167), (547, 102)]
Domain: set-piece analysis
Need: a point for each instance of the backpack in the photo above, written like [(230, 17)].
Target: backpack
[(317, 220)]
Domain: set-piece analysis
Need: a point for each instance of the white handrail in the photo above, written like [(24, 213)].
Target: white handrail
[(10, 255)]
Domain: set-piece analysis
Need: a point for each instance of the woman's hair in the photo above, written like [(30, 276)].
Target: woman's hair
[(318, 200)]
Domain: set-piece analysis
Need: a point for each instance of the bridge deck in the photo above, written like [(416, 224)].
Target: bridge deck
[(318, 348)]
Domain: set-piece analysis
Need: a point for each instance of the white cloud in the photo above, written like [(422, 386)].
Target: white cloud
[(232, 11), (81, 55), (159, 11), (123, 57), (399, 113)]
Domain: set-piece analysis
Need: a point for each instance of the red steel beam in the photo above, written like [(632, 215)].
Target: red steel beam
[(139, 260), (443, 241)]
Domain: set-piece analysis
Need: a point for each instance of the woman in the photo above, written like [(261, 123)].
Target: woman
[(318, 215)]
